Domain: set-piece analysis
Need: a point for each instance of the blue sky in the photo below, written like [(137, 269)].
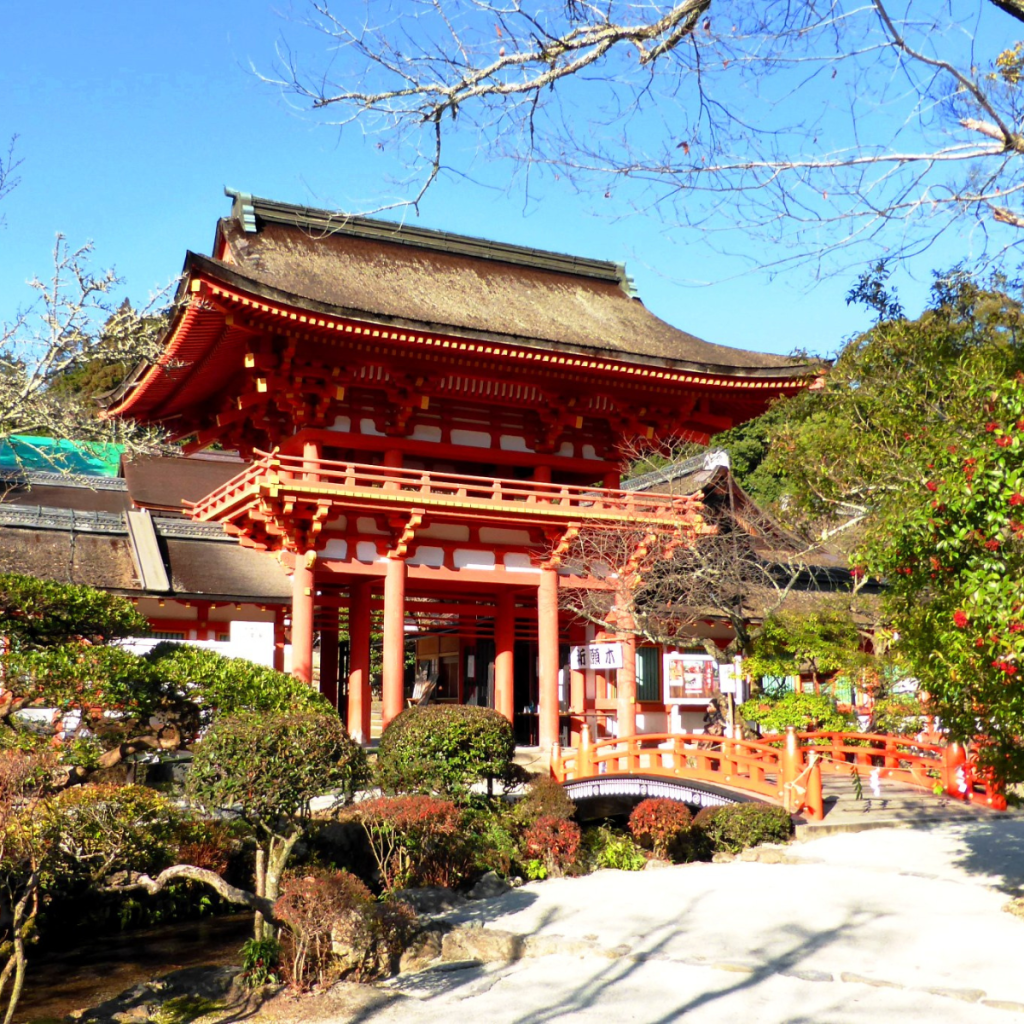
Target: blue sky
[(132, 117)]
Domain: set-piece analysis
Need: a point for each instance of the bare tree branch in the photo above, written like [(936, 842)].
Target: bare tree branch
[(826, 128)]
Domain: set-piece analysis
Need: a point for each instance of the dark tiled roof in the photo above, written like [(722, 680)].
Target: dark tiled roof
[(75, 546), (53, 490), (435, 281), (165, 483), (203, 567), (98, 559)]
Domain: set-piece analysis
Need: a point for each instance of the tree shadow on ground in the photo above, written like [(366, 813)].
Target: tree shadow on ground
[(599, 977), (993, 847)]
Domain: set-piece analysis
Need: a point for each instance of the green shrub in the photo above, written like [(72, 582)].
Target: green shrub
[(118, 828), (228, 686), (736, 827), (805, 711), (261, 961), (544, 797), (658, 824), (444, 748), (601, 847), (492, 840)]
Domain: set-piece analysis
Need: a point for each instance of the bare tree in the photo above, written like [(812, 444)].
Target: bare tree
[(9, 163), (737, 564), (739, 569), (827, 128), (74, 324)]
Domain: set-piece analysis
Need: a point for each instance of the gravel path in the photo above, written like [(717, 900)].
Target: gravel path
[(876, 926)]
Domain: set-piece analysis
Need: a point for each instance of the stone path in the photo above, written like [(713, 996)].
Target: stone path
[(850, 928)]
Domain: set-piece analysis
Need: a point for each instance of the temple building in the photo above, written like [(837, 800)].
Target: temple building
[(426, 422)]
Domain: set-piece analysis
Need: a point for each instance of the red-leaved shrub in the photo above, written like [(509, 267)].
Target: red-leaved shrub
[(335, 929), (553, 841), (416, 840), (659, 823)]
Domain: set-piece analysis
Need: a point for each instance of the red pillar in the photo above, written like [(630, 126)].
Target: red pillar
[(359, 629), (329, 661), (504, 656), (577, 685), (626, 686), (279, 639), (302, 620), (547, 651), (394, 639)]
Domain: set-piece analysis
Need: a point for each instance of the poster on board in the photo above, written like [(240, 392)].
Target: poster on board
[(689, 676)]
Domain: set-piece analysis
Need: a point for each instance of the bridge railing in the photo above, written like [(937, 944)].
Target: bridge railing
[(754, 766), (938, 767), (785, 768)]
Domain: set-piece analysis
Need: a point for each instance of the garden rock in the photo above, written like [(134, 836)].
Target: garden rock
[(431, 900), (486, 944), (423, 950), (489, 887)]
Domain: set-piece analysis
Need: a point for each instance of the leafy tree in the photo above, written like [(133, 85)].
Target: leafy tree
[(953, 559), (805, 711), (821, 642), (40, 613), (269, 768), (895, 398)]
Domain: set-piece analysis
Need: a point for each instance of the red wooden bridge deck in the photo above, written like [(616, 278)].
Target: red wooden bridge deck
[(785, 769)]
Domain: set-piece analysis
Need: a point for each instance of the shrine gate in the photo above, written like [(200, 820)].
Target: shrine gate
[(426, 419)]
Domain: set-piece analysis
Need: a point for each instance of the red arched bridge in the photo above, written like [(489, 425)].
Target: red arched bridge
[(785, 769)]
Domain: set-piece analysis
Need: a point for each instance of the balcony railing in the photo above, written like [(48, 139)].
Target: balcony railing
[(274, 478)]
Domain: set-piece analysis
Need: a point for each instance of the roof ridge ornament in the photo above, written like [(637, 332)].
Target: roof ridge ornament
[(242, 209)]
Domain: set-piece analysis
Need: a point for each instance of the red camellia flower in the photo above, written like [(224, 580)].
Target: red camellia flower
[(980, 642), (959, 618), (1016, 627), (932, 485), (1004, 442), (1017, 498), (992, 545), (990, 426)]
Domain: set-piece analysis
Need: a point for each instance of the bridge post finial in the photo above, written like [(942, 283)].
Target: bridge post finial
[(557, 767), (585, 757), (792, 758)]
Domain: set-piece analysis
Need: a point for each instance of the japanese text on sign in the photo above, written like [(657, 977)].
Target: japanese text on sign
[(602, 657)]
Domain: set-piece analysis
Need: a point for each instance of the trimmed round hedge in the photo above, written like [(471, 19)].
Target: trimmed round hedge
[(736, 827), (444, 748)]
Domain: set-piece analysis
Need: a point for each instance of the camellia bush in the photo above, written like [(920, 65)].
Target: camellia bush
[(445, 748), (953, 560)]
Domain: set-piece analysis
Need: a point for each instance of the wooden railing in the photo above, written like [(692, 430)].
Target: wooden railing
[(785, 769), (273, 473), (947, 768)]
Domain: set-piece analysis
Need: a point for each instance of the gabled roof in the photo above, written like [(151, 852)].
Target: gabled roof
[(435, 280)]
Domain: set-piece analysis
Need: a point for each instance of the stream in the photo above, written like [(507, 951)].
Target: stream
[(60, 981)]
